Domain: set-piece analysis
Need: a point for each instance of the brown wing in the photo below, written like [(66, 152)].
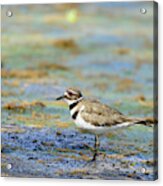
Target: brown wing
[(100, 114)]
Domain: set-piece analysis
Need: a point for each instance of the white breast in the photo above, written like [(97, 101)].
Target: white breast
[(81, 123)]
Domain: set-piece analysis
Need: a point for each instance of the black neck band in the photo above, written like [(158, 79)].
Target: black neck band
[(73, 104)]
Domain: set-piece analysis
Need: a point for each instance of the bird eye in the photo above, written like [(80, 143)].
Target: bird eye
[(70, 93)]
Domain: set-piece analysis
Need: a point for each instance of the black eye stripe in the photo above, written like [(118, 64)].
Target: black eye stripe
[(72, 93)]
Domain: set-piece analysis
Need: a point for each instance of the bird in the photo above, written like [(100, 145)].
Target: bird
[(97, 118)]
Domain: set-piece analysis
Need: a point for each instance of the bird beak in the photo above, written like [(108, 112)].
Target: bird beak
[(61, 97)]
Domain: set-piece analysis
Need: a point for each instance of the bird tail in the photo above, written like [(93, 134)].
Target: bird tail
[(148, 121)]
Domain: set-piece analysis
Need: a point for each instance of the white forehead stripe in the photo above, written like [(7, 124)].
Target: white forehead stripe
[(65, 94)]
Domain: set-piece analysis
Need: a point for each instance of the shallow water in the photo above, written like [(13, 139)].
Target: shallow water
[(66, 154)]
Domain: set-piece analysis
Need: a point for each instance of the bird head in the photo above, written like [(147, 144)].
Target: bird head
[(71, 95)]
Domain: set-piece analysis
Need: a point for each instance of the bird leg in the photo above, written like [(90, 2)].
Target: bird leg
[(96, 146)]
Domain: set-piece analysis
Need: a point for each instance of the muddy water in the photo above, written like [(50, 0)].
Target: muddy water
[(108, 55), (67, 153)]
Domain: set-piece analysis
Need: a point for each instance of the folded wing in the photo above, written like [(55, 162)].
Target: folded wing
[(102, 115)]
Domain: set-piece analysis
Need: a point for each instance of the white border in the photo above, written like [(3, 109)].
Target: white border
[(60, 182)]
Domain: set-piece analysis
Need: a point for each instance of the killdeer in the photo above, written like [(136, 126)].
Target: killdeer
[(95, 117)]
